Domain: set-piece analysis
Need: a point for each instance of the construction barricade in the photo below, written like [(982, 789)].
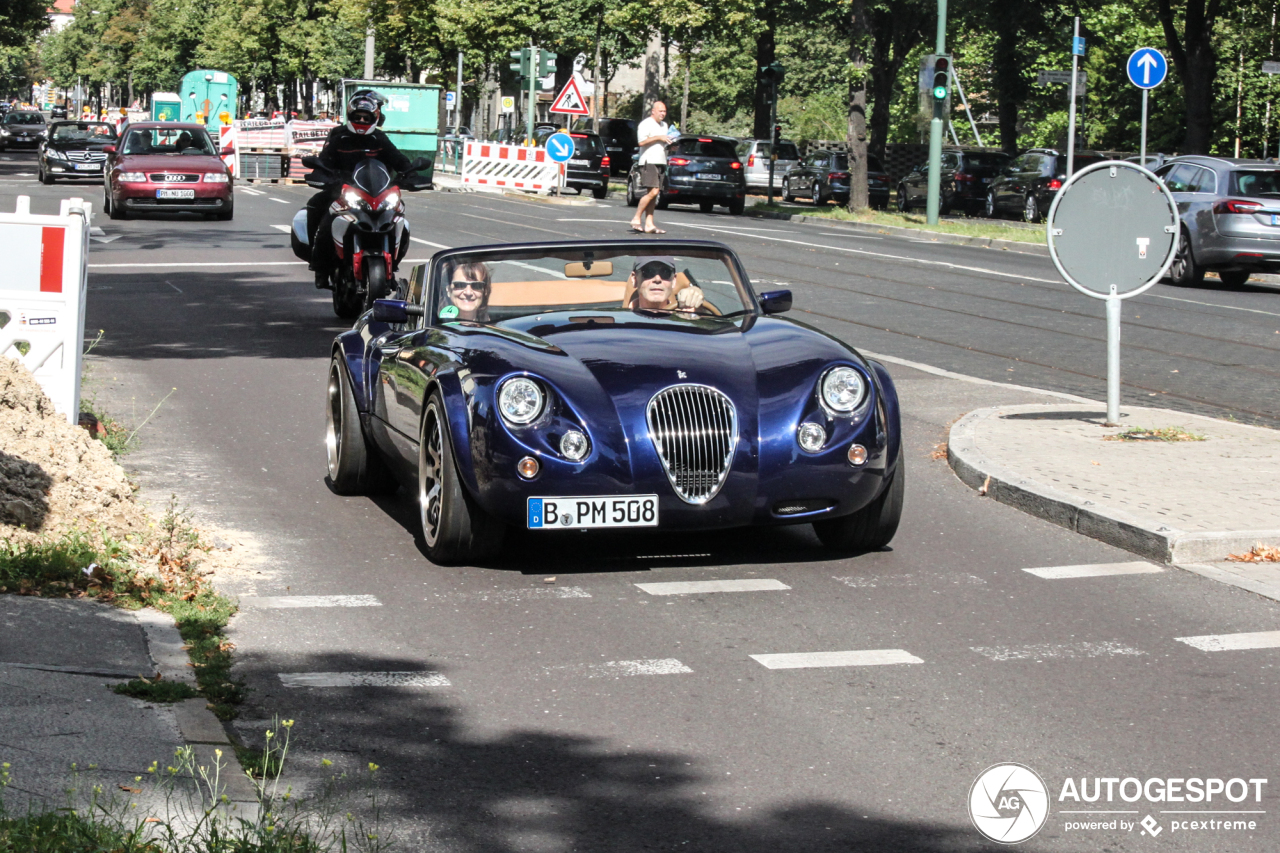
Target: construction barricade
[(42, 295), (495, 167)]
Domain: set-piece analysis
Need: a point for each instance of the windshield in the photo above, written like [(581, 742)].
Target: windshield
[(168, 141), (24, 118), (786, 150), (83, 132), (703, 147), (1259, 184), (498, 286)]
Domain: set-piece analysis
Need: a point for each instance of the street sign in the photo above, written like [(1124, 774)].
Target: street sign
[(1047, 77), (1077, 46), (508, 104), (1147, 68), (570, 101), (560, 147), (1113, 233), (449, 98), (1269, 67)]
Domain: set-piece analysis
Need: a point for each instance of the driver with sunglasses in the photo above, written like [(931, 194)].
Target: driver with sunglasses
[(654, 278)]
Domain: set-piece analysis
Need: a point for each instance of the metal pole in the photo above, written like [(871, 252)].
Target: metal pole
[(1071, 117), (457, 98), (935, 129), (533, 95), (368, 54), (972, 124), (1142, 161), (595, 87), (1114, 303), (773, 146)]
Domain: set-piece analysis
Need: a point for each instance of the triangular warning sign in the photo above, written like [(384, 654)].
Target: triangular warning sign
[(570, 101)]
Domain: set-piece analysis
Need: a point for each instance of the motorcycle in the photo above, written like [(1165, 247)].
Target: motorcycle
[(370, 233)]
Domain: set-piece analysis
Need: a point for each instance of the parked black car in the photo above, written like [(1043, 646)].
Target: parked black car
[(701, 170), (22, 127), (1029, 183), (588, 168), (964, 179), (619, 135), (824, 175), (73, 149)]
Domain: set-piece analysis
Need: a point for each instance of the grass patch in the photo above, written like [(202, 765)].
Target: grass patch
[(1159, 434), (156, 690), (67, 832), (911, 220)]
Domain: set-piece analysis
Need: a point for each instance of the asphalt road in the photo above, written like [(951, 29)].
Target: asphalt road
[(553, 704)]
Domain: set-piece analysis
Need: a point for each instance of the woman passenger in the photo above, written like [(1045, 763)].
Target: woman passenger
[(469, 288)]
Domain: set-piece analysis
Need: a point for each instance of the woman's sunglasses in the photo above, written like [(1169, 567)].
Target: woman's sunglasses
[(459, 286)]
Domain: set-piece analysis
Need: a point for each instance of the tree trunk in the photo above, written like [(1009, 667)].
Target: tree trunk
[(1197, 65), (766, 52), (884, 76), (859, 196), (1007, 71)]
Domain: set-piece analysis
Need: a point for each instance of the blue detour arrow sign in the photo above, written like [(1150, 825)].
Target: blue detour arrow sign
[(559, 147), (1147, 68)]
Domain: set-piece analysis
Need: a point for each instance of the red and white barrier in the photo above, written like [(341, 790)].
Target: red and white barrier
[(490, 166), (42, 296)]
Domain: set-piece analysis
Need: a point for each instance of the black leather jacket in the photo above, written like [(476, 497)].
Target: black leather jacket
[(343, 150)]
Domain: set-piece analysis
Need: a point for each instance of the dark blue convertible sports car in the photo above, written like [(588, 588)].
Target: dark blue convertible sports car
[(584, 385)]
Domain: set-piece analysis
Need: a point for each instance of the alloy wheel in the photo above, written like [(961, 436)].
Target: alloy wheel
[(333, 422), (430, 477)]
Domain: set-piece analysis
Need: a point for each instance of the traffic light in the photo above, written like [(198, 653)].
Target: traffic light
[(772, 73), (546, 63), (777, 135), (522, 61), (941, 78)]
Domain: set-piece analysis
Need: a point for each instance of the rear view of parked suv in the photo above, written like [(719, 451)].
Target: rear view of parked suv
[(963, 181), (1230, 218), (755, 154), (1028, 184)]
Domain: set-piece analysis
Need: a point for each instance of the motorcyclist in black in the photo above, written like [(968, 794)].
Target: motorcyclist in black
[(347, 145)]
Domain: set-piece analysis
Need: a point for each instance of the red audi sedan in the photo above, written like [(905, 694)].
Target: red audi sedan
[(160, 166)]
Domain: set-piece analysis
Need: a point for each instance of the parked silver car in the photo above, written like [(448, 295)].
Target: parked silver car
[(1230, 211), (755, 154)]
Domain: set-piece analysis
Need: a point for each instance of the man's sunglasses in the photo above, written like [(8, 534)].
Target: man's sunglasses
[(461, 285), (661, 270)]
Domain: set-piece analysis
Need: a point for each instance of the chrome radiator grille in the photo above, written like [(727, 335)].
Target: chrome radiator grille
[(695, 429)]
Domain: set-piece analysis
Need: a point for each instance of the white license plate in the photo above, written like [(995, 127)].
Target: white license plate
[(709, 177), (595, 511), (175, 193), (1275, 219), (88, 167), (579, 162)]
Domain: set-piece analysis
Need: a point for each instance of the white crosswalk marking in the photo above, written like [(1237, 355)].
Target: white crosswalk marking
[(285, 602), (865, 657), (273, 198), (285, 228), (619, 668), (908, 579), (1094, 570), (1042, 651), (693, 587), (363, 679), (1233, 642), (523, 593)]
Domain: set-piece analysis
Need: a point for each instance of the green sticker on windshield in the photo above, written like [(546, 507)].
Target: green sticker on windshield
[(449, 312)]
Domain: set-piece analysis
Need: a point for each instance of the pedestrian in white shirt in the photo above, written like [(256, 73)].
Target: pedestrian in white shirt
[(654, 136)]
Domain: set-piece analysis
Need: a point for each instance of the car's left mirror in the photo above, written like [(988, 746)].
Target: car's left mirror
[(394, 311), (775, 301)]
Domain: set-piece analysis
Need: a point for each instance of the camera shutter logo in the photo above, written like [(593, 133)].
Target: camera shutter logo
[(1009, 803)]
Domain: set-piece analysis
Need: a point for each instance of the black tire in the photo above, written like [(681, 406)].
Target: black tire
[(991, 210), (1234, 278), (600, 192), (375, 281), (872, 527), (225, 215), (45, 177), (1185, 272), (454, 529), (1031, 209), (346, 300), (737, 206), (904, 204), (706, 206), (787, 195), (663, 204), (117, 210), (632, 199), (817, 196), (355, 467)]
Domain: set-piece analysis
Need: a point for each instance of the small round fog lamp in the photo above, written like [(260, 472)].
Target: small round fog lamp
[(574, 446), (811, 437), (527, 467), (857, 454)]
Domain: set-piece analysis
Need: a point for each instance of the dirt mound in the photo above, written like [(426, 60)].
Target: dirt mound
[(53, 475)]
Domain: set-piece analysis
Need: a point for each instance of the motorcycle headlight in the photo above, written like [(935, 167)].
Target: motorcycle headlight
[(520, 401), (390, 201), (353, 199), (133, 178), (215, 177), (843, 389)]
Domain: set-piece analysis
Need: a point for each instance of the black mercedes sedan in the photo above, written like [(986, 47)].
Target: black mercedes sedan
[(73, 149), (701, 170)]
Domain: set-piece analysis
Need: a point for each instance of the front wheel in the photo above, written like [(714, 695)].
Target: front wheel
[(355, 468), (632, 198), (1031, 209), (45, 177), (1185, 272), (817, 195), (990, 208), (454, 529), (872, 527), (903, 203), (375, 281), (787, 195)]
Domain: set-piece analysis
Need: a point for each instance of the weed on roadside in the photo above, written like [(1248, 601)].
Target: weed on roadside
[(156, 690), (1158, 434)]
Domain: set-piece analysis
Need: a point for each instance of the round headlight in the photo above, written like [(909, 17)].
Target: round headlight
[(520, 400), (574, 446), (843, 389), (811, 437)]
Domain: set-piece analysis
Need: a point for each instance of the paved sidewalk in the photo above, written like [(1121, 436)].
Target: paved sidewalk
[(1184, 502)]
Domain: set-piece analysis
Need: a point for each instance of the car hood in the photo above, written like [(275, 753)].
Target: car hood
[(75, 145), (171, 163)]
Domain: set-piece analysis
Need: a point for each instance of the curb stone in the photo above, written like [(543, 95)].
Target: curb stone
[(1164, 544), (165, 645), (897, 231)]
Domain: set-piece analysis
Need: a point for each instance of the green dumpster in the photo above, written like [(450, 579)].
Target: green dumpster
[(412, 112)]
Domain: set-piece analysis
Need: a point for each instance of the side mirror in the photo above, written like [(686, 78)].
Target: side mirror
[(110, 149), (775, 301), (394, 311)]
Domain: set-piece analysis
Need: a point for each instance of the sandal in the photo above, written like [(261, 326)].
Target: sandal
[(655, 231)]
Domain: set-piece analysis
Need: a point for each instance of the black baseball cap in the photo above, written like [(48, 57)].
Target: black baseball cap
[(666, 260)]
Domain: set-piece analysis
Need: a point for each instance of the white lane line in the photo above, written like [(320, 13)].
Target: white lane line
[(866, 657), (429, 243), (1212, 305), (1093, 571), (363, 679), (208, 264), (528, 593), (1233, 642), (287, 602), (621, 668), (909, 579), (273, 198), (1042, 651), (694, 587), (938, 371), (285, 228), (609, 221), (249, 191)]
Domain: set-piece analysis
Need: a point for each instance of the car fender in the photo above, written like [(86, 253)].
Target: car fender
[(889, 413)]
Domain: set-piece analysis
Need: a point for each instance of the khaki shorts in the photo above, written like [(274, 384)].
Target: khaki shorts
[(651, 176)]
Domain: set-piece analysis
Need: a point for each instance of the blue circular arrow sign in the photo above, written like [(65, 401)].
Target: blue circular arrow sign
[(559, 147), (1147, 68)]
